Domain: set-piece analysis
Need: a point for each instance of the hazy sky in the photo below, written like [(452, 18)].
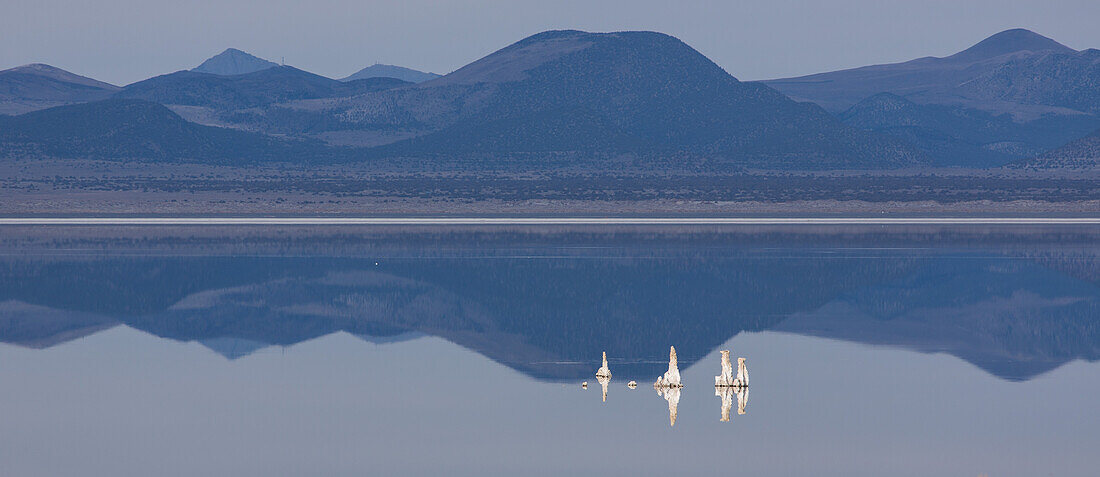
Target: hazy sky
[(122, 41)]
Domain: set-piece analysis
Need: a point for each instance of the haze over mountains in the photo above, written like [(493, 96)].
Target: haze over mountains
[(585, 98)]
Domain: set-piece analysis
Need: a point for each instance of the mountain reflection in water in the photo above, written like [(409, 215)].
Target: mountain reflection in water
[(1015, 303)]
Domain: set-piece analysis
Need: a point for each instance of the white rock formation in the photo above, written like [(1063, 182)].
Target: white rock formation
[(584, 385), (604, 371), (672, 395), (632, 384), (726, 378), (742, 399), (671, 379)]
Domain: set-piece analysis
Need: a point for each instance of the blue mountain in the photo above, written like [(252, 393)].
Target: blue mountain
[(37, 86), (378, 70), (233, 62)]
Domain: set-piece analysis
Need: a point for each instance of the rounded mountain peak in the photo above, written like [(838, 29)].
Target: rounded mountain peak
[(1010, 41)]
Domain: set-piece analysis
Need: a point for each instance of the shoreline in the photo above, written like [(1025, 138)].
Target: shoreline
[(281, 221)]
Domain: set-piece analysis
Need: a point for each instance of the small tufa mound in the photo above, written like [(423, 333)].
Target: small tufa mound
[(632, 384), (584, 385), (671, 379), (604, 372)]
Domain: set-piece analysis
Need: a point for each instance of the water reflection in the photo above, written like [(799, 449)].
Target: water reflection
[(727, 393), (1017, 307), (604, 381), (672, 395)]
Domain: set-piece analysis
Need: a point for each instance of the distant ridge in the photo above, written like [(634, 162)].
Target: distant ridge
[(1006, 98), (379, 70), (127, 129), (258, 88), (947, 80), (1010, 41), (38, 86), (233, 62)]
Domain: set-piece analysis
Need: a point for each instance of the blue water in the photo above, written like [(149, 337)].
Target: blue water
[(461, 351)]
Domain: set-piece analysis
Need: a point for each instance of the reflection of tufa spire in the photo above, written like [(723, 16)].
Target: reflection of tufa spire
[(603, 380), (726, 393), (671, 379), (604, 371), (672, 395), (726, 378)]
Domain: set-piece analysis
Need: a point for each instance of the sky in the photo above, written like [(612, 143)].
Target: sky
[(122, 41)]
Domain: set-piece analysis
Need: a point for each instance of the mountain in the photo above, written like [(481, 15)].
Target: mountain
[(233, 62), (124, 129), (271, 85), (586, 94), (378, 70), (1011, 96), (1009, 42), (966, 137), (966, 78), (1082, 154), (37, 86)]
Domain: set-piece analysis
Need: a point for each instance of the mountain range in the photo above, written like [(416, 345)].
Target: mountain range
[(587, 100), (1011, 96)]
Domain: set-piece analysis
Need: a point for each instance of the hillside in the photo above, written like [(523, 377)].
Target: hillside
[(1082, 154), (37, 86), (964, 137), (118, 129)]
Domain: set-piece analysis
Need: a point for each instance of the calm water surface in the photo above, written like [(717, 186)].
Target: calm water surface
[(461, 351)]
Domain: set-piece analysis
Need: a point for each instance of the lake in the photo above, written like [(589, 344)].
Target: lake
[(903, 350)]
